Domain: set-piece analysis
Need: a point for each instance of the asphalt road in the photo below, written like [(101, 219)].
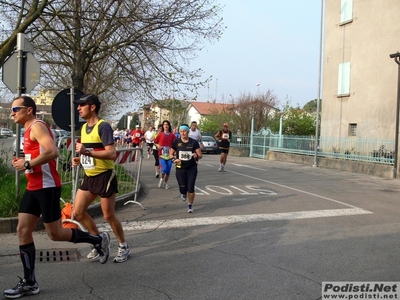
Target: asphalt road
[(260, 230)]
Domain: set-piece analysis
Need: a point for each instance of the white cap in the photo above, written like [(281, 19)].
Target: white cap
[(137, 126)]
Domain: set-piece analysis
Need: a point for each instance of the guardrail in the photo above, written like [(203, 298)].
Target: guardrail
[(374, 151)]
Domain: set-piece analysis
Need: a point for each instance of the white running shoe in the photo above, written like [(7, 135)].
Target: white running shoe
[(190, 208), (161, 183), (183, 197), (93, 254), (123, 254), (166, 186), (220, 169), (22, 289)]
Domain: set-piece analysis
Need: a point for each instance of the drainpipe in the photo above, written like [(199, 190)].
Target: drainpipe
[(396, 57), (319, 89)]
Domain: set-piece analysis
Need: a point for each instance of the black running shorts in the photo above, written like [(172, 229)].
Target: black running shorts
[(45, 202), (104, 184)]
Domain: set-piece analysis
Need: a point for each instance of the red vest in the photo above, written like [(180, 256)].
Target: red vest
[(43, 176)]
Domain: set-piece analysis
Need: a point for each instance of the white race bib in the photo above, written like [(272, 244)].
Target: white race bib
[(165, 151), (185, 155), (87, 162)]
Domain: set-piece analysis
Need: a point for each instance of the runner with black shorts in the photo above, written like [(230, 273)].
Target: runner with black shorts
[(224, 137), (97, 153), (42, 197)]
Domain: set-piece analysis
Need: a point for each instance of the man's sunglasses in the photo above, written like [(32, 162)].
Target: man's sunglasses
[(17, 108)]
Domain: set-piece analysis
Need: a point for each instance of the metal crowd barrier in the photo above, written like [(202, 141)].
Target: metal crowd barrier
[(128, 166)]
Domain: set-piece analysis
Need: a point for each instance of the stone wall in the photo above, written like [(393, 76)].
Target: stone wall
[(239, 151), (380, 170)]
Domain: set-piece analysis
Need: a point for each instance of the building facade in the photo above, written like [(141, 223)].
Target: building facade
[(197, 110), (360, 79)]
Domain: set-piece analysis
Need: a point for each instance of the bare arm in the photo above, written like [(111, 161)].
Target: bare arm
[(109, 152), (171, 153), (41, 134), (217, 136), (198, 153)]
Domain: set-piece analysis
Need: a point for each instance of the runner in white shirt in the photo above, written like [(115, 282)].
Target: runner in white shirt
[(117, 138), (194, 132), (148, 135)]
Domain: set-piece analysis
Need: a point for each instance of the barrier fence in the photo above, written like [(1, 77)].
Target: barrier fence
[(373, 151), (127, 164)]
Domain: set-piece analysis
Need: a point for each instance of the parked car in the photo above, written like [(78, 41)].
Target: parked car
[(6, 132), (61, 135), (63, 132), (208, 145), (21, 144)]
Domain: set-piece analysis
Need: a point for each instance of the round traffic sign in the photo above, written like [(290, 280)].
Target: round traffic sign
[(61, 110)]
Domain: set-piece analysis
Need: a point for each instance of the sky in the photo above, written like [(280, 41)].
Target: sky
[(267, 45)]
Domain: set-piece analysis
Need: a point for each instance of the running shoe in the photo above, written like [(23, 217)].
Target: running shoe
[(161, 183), (190, 208), (183, 197), (157, 175), (93, 254), (123, 254), (22, 289), (220, 169), (105, 247), (166, 186)]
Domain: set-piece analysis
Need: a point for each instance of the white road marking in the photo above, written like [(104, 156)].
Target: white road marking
[(235, 219), (238, 219), (254, 168), (288, 187)]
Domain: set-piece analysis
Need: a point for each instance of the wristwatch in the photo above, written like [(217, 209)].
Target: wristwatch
[(27, 165), (87, 152)]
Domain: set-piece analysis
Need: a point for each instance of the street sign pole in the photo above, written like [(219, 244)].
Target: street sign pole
[(75, 171), (20, 79)]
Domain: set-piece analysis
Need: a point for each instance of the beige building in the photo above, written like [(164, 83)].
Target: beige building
[(359, 78)]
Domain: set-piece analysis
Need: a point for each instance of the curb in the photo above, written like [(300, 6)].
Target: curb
[(9, 225)]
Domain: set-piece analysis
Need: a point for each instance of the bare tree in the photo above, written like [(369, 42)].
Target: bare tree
[(123, 50), (17, 16), (262, 107)]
